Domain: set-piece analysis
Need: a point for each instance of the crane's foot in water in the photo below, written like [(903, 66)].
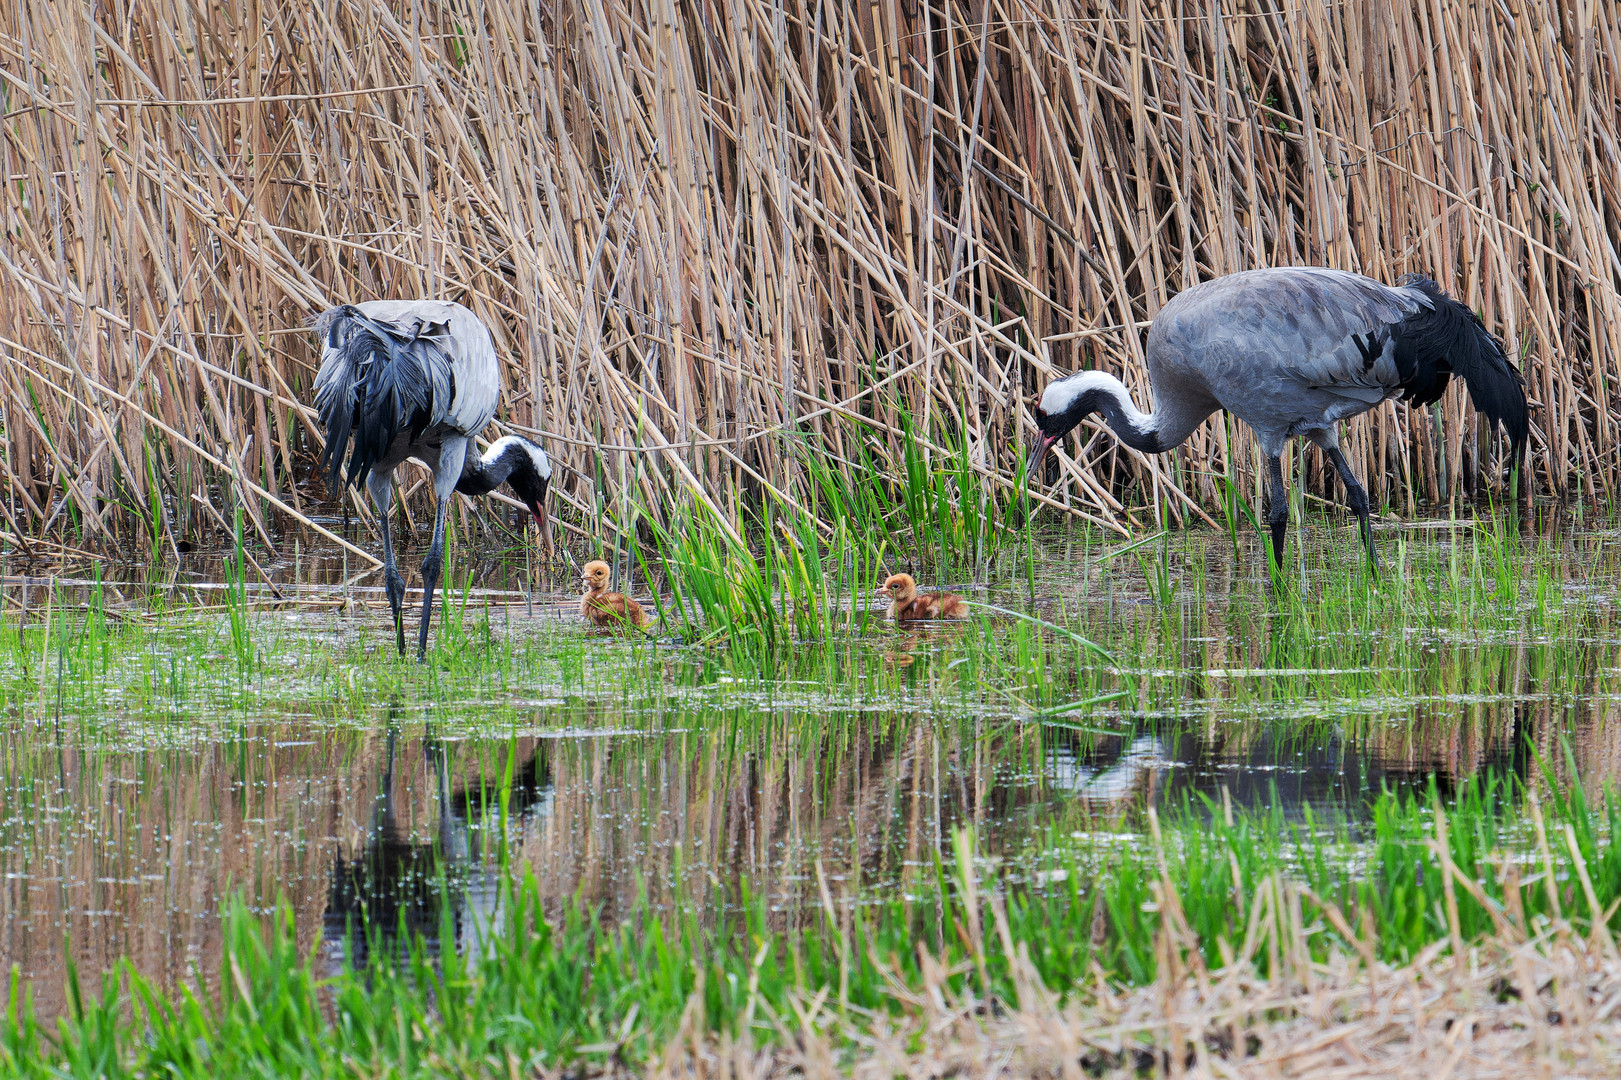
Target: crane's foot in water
[(394, 589), (1280, 530)]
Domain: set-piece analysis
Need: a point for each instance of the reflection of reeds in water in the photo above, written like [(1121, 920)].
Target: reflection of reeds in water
[(134, 854), (1245, 925), (138, 860), (767, 801), (131, 853)]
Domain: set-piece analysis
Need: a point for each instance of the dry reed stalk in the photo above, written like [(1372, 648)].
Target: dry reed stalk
[(1511, 1008), (702, 229)]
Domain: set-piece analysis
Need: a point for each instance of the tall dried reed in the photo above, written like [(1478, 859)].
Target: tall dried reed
[(711, 233)]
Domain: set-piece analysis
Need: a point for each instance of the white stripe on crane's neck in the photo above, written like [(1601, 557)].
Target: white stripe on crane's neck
[(537, 456), (1068, 401), (1062, 395)]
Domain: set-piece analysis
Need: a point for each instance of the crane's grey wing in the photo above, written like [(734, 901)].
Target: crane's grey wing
[(1323, 329), (1347, 328), (1359, 338), (1292, 348), (457, 354)]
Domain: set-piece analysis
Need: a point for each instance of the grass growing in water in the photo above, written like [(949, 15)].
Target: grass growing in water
[(980, 716), (236, 599), (545, 992)]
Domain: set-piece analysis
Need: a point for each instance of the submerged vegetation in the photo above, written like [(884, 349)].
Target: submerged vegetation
[(1137, 761)]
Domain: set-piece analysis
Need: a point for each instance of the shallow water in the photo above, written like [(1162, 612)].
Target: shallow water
[(140, 785)]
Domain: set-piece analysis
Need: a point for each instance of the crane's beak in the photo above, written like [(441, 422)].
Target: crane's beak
[(1038, 451), (538, 508), (544, 521)]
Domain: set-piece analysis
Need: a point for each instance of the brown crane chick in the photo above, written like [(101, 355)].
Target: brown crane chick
[(608, 610), (906, 604)]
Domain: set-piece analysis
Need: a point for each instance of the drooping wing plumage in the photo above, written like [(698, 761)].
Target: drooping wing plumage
[(1252, 335), (456, 352), (1448, 336), (401, 366)]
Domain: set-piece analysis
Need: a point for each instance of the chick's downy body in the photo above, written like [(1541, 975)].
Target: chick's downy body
[(908, 605), (604, 609)]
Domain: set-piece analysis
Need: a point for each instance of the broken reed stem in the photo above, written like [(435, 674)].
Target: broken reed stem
[(706, 231)]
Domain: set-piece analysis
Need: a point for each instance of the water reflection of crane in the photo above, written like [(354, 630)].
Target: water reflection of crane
[(1110, 778), (1274, 769), (396, 883)]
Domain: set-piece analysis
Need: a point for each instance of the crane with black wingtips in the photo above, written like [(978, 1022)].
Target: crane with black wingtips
[(1292, 351), (418, 379)]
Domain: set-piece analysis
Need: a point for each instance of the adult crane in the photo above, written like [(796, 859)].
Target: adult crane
[(418, 379), (1292, 351)]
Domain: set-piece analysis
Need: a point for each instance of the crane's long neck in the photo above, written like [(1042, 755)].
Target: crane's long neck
[(509, 459), (1132, 426), (1177, 411), (518, 463), (1071, 400)]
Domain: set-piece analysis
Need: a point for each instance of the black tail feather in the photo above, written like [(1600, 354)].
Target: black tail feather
[(1449, 339), (376, 390)]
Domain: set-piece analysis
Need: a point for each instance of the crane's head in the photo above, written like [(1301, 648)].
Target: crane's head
[(1064, 405), (529, 478)]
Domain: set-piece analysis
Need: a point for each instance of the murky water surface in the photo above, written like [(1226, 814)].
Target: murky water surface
[(141, 787)]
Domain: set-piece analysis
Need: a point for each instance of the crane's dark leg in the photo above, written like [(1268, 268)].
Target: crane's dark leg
[(1277, 514), (451, 455), (431, 567), (454, 846), (1355, 496), (381, 486), (1357, 499)]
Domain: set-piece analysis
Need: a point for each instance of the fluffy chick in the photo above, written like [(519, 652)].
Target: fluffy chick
[(906, 604), (604, 609)]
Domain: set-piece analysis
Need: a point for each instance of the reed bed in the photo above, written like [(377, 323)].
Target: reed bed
[(708, 235)]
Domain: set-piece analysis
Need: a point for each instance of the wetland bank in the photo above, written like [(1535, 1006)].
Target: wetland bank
[(595, 847)]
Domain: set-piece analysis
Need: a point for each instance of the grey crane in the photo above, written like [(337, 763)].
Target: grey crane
[(1292, 351), (418, 379)]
